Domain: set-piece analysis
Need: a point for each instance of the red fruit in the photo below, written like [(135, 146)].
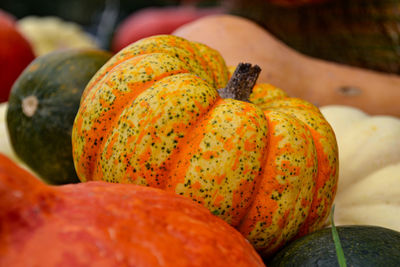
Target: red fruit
[(104, 224), (152, 21), (15, 54)]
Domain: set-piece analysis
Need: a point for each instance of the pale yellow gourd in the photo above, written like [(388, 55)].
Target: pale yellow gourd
[(369, 173), (49, 33), (5, 144)]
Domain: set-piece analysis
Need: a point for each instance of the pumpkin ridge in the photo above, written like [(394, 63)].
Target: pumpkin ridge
[(235, 179), (153, 108), (325, 179), (324, 175), (281, 204), (183, 49), (123, 98), (134, 96), (320, 131), (175, 178), (259, 176), (97, 81), (204, 64), (215, 62)]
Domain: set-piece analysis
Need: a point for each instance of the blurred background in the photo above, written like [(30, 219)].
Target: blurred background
[(97, 17), (361, 33)]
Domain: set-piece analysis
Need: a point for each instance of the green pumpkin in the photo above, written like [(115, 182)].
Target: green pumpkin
[(362, 245), (42, 106)]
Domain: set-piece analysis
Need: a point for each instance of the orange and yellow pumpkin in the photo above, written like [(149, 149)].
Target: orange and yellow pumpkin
[(152, 116)]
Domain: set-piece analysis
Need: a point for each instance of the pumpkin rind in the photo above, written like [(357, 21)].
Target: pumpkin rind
[(104, 224), (42, 107), (363, 245), (173, 131)]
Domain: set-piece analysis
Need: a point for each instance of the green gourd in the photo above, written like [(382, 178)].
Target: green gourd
[(42, 107), (363, 245)]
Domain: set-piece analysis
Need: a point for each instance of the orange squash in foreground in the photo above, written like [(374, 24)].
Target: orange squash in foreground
[(103, 224), (152, 116)]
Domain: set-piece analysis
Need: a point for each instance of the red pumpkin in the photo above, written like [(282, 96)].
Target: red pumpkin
[(15, 54), (103, 224)]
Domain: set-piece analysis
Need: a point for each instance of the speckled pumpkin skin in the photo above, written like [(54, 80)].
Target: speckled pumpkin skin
[(152, 116)]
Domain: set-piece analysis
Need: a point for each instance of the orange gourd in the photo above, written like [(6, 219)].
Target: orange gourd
[(103, 224), (320, 82), (152, 115)]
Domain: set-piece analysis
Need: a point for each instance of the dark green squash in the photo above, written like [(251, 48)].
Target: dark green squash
[(362, 246), (42, 107), (361, 33)]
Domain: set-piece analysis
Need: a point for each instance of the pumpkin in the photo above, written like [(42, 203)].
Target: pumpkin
[(319, 82), (152, 115), (103, 224), (369, 184), (50, 33), (363, 245), (42, 107)]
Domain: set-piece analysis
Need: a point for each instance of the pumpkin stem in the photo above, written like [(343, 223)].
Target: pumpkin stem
[(241, 84)]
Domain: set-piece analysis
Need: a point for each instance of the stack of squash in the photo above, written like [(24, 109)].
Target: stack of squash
[(167, 112)]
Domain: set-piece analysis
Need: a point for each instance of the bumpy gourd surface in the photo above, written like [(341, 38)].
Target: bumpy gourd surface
[(152, 116)]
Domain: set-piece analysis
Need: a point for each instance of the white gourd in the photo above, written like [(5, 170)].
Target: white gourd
[(369, 167), (5, 145)]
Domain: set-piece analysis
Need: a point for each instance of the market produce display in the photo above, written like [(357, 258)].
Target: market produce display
[(15, 53), (178, 146), (369, 153), (362, 245), (42, 107), (319, 82), (104, 224), (152, 116)]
